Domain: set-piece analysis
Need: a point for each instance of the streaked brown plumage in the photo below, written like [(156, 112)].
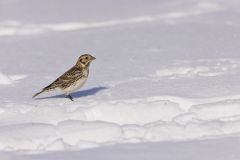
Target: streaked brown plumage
[(73, 79)]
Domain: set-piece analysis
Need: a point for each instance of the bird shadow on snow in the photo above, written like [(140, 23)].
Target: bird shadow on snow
[(79, 94)]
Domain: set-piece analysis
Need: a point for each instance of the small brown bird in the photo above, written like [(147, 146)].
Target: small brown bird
[(73, 79)]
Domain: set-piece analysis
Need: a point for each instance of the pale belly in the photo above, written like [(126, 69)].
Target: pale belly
[(77, 85)]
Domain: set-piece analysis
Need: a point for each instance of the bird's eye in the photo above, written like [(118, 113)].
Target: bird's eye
[(86, 58)]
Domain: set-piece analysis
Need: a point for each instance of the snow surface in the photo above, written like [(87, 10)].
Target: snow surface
[(165, 84)]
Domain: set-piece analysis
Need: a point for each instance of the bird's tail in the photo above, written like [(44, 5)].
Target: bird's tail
[(38, 93), (46, 89)]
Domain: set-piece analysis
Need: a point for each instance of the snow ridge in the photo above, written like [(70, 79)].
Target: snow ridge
[(11, 28), (103, 123), (5, 79)]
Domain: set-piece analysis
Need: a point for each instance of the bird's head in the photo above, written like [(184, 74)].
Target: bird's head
[(85, 60)]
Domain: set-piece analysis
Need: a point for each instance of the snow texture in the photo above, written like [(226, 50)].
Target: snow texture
[(165, 84)]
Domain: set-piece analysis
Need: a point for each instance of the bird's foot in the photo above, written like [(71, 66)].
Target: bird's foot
[(69, 96)]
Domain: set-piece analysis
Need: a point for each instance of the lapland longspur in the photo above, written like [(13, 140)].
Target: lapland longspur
[(73, 79)]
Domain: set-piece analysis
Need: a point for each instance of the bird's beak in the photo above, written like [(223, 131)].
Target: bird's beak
[(93, 58)]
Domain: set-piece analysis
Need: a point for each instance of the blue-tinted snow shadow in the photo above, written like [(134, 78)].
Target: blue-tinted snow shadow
[(79, 94)]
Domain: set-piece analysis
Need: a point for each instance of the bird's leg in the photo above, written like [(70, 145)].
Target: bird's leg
[(69, 96)]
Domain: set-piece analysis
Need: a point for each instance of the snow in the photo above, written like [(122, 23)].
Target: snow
[(9, 79), (199, 68), (165, 84), (4, 79), (187, 150)]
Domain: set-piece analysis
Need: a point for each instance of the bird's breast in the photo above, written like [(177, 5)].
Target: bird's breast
[(76, 85), (85, 72)]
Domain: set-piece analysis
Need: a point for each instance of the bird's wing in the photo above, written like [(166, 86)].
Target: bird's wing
[(66, 79)]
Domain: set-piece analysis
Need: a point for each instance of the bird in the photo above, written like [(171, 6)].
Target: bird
[(73, 79)]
